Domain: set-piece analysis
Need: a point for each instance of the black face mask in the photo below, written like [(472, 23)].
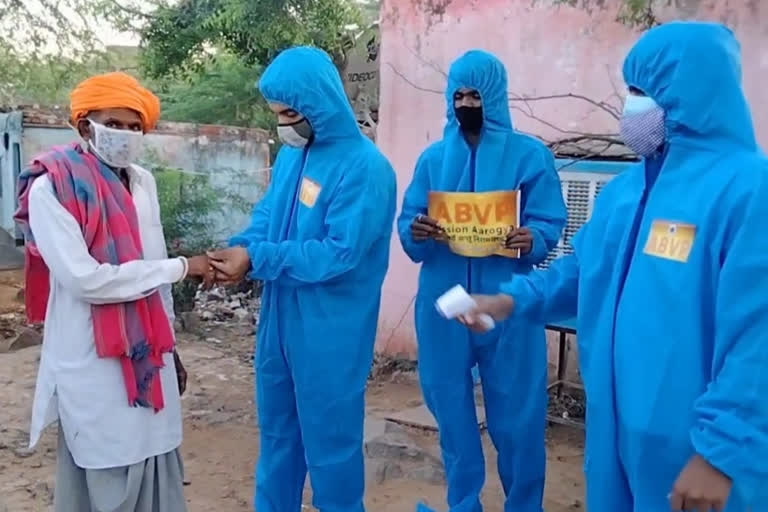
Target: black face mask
[(470, 119)]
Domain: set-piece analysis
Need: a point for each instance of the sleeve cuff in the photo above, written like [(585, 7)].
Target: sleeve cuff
[(732, 457), (238, 241), (177, 269), (419, 251), (253, 250), (539, 251)]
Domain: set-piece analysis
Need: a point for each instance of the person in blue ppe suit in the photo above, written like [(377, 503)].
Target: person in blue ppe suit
[(480, 151), (669, 281), (320, 241)]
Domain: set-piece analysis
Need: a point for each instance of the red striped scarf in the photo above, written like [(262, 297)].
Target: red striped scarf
[(137, 333)]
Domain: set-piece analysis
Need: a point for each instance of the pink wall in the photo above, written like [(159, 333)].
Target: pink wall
[(549, 50)]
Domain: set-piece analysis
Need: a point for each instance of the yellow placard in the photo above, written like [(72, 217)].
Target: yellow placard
[(670, 240), (310, 190), (477, 223)]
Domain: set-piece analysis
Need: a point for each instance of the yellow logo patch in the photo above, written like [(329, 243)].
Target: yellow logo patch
[(310, 191), (670, 240)]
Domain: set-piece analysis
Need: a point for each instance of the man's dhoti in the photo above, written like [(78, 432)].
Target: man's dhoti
[(153, 485)]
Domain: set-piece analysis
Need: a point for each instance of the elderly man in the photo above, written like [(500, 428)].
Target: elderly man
[(669, 281), (481, 152), (320, 241), (99, 276)]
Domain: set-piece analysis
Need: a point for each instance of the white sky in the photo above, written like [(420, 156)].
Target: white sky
[(107, 34), (113, 37)]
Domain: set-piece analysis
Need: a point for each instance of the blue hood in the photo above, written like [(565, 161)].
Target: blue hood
[(306, 80), (486, 74), (512, 356), (686, 376), (503, 159), (320, 242), (693, 70)]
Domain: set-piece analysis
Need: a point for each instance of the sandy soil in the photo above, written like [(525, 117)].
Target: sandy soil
[(221, 441)]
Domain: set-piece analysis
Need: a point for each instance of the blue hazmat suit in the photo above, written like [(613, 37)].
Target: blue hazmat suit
[(512, 359), (320, 241), (673, 345)]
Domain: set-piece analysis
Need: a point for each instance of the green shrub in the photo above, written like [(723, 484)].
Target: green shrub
[(189, 206)]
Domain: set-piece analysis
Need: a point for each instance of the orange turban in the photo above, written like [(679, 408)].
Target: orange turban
[(115, 90)]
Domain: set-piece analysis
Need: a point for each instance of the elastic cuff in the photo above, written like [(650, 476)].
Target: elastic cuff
[(252, 255), (420, 251), (731, 454), (539, 250)]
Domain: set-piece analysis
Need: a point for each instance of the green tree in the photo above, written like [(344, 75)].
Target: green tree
[(369, 10), (182, 36), (43, 25), (71, 28), (47, 79), (187, 203), (189, 207), (207, 55), (223, 91), (47, 47)]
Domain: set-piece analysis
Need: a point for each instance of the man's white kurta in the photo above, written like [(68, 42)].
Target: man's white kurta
[(85, 392)]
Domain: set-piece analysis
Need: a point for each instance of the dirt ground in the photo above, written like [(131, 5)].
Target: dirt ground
[(221, 441)]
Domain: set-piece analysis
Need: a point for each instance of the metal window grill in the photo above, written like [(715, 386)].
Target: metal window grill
[(579, 191)]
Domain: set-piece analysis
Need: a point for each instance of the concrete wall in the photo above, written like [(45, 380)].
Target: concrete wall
[(235, 159), (10, 157), (563, 62)]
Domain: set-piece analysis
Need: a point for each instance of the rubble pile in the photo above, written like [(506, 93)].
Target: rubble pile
[(392, 368), (570, 404), (15, 334), (9, 324), (225, 305)]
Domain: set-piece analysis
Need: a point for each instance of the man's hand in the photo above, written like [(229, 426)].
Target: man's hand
[(181, 373), (231, 264), (520, 238), (200, 267), (700, 487), (425, 228), (499, 307)]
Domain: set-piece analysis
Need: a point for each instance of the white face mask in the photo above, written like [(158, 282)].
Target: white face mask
[(643, 125), (637, 104), (296, 135), (116, 148)]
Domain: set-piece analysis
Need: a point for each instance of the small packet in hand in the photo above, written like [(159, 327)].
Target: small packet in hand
[(456, 302)]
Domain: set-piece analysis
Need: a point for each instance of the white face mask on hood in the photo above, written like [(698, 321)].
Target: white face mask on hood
[(116, 148)]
